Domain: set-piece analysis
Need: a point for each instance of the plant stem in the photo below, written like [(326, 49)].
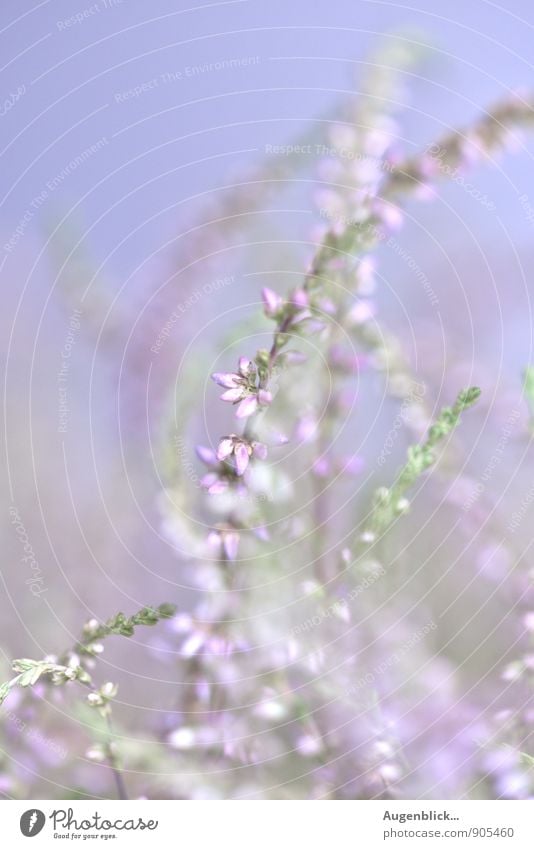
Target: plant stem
[(114, 764)]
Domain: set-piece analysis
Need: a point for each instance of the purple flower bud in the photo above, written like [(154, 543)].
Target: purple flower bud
[(300, 298), (247, 407), (245, 366), (271, 302), (226, 379), (226, 446), (241, 458), (231, 544), (233, 394), (265, 397), (214, 484), (206, 455)]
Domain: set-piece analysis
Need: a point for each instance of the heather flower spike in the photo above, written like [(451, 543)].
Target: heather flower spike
[(288, 618)]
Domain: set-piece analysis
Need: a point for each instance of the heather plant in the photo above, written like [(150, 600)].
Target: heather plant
[(299, 675)]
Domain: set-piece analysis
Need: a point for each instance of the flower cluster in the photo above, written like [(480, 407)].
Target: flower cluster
[(242, 388)]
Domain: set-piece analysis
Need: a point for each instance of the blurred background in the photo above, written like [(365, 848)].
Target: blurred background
[(144, 172)]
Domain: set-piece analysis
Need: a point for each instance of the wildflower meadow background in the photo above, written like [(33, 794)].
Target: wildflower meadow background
[(268, 400)]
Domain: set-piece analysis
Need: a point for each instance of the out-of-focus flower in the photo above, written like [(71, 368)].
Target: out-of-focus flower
[(241, 450), (272, 303), (225, 541)]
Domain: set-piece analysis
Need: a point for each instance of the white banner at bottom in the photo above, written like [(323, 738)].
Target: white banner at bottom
[(264, 824)]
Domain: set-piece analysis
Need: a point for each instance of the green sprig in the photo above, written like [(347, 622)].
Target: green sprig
[(30, 671), (390, 503), (121, 625)]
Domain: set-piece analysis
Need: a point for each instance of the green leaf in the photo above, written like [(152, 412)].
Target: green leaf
[(4, 692)]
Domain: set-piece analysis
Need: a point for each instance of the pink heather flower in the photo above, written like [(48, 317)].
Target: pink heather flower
[(214, 484), (272, 302), (206, 455), (224, 542), (242, 451), (226, 448), (234, 395), (246, 367), (241, 454), (226, 379), (247, 407), (265, 397), (299, 298)]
